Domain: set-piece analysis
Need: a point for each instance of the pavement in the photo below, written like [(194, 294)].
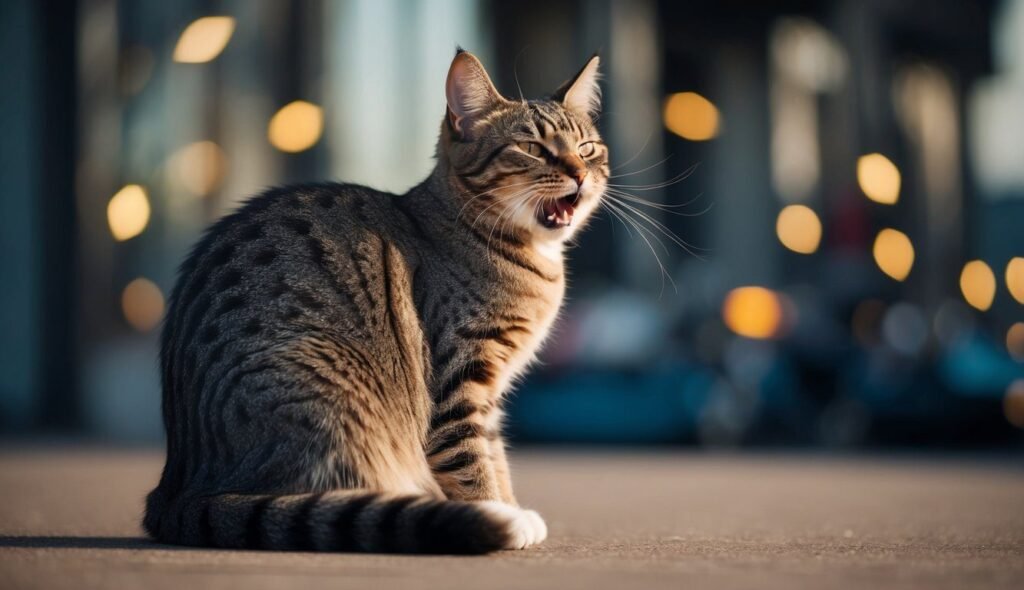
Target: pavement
[(618, 519)]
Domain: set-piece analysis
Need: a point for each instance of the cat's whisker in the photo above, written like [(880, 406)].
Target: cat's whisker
[(626, 215), (487, 192), (642, 170), (511, 213), (619, 218), (499, 202), (640, 230), (658, 185), (650, 134), (666, 207), (662, 228)]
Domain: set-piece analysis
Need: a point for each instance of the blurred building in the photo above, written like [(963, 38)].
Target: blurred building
[(813, 234)]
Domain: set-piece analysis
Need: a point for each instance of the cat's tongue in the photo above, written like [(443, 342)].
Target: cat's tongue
[(558, 213)]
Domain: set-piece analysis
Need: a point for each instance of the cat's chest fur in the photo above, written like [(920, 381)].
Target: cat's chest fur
[(518, 359), (501, 317)]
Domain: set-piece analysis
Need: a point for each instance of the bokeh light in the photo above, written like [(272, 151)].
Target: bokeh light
[(905, 328), (1013, 403), (799, 229), (1015, 278), (199, 167), (296, 127), (754, 312), (866, 321), (878, 178), (691, 116), (1015, 341), (142, 303), (894, 253), (204, 39), (978, 284), (128, 212)]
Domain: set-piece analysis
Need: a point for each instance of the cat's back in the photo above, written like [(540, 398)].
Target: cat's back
[(282, 218), (289, 260)]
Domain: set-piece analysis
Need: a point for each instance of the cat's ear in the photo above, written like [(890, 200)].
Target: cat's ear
[(582, 92), (470, 93)]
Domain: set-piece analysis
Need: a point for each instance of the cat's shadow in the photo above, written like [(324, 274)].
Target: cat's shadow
[(68, 542)]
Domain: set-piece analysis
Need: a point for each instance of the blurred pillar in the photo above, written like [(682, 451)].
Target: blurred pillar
[(745, 209), (249, 99), (297, 78), (20, 265), (635, 93), (385, 63), (58, 385), (930, 117)]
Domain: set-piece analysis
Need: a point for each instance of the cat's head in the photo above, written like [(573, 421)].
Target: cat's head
[(536, 168)]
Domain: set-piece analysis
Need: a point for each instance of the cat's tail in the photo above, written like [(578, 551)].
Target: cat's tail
[(347, 521)]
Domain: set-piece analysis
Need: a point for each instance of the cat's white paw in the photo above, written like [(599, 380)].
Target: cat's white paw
[(525, 527), (540, 528)]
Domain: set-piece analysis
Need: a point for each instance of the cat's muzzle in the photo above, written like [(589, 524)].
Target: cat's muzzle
[(557, 213)]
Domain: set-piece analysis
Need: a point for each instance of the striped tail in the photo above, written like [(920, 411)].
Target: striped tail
[(344, 521)]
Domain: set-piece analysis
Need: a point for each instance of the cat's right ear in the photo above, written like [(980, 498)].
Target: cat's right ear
[(470, 93)]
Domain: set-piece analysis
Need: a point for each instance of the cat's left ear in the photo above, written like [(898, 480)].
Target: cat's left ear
[(582, 92), (471, 94)]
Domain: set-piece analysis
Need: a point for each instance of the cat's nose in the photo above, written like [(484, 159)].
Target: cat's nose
[(578, 175)]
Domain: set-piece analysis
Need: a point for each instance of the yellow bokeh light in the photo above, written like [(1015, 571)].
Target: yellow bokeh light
[(1015, 278), (894, 253), (799, 229), (128, 212), (296, 127), (878, 178), (754, 312), (142, 304), (691, 116), (1013, 403), (204, 39), (199, 167), (978, 284), (1015, 341)]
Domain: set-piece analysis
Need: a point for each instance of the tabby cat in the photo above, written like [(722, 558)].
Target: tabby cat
[(334, 358)]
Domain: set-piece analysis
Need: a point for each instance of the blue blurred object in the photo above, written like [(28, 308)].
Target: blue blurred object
[(658, 405)]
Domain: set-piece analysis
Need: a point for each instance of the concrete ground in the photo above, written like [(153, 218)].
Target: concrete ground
[(69, 519)]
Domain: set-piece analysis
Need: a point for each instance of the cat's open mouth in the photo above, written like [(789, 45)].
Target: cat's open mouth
[(557, 213)]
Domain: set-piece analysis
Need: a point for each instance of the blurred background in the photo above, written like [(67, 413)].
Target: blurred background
[(845, 180)]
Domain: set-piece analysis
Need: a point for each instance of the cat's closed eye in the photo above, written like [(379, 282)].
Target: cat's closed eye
[(587, 149), (532, 148)]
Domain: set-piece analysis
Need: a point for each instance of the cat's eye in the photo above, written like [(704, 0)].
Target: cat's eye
[(588, 149), (531, 147)]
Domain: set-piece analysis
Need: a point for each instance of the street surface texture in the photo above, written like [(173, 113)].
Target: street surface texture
[(618, 519)]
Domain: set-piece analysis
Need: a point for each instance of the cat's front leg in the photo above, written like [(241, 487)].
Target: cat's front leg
[(496, 445), (467, 464), (463, 460), (504, 475), (460, 454)]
